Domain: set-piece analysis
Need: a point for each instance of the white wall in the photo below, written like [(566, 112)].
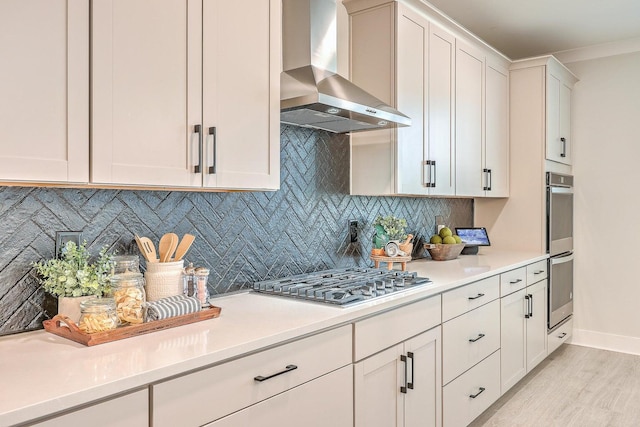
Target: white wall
[(606, 135)]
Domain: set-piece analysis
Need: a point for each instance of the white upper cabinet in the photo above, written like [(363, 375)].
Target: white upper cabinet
[(496, 141), (470, 69), (559, 87), (44, 106), (412, 70), (176, 104)]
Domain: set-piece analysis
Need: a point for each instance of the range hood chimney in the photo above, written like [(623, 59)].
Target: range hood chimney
[(312, 94)]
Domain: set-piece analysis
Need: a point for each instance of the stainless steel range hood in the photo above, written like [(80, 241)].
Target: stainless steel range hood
[(312, 94)]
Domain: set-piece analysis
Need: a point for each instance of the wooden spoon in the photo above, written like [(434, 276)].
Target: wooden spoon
[(140, 246), (167, 246), (184, 246), (149, 249)]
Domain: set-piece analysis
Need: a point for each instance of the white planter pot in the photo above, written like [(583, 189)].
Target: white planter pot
[(70, 306)]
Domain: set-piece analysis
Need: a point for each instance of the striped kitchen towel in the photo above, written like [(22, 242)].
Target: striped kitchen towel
[(164, 308)]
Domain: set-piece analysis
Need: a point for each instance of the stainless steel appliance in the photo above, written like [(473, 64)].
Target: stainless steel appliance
[(342, 287), (560, 247), (312, 94)]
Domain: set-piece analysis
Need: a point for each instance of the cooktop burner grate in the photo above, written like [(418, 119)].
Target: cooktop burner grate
[(342, 287)]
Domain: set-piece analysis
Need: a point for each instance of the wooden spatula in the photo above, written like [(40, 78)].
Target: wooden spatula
[(184, 246), (167, 246), (149, 249)]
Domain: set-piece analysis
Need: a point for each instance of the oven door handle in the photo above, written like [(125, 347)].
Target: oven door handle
[(561, 259)]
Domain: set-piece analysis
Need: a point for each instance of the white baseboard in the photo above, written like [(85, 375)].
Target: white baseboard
[(601, 340)]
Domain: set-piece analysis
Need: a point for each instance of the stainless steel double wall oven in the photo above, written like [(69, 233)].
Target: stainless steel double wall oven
[(560, 247)]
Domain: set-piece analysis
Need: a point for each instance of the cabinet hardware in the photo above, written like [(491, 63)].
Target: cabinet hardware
[(433, 181), (476, 297), (562, 335), (513, 282), (526, 315), (403, 389), (490, 178), (564, 147), (531, 306), (538, 272), (473, 396), (413, 367), (476, 339), (426, 170), (486, 179), (214, 134), (288, 368), (198, 168)]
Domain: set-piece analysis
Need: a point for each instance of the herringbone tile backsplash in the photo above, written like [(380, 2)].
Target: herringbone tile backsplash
[(241, 237)]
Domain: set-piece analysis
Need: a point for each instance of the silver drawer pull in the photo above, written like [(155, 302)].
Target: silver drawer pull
[(476, 297), (562, 335), (288, 368), (476, 339), (473, 396), (513, 282)]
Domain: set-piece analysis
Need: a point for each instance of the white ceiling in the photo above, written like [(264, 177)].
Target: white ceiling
[(524, 28)]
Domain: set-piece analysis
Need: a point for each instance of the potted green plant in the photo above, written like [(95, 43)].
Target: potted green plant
[(73, 278), (393, 227)]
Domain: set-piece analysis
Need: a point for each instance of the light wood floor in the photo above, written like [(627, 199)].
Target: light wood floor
[(574, 386)]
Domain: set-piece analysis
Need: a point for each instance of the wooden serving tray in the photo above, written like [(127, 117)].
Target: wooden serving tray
[(403, 260), (63, 326)]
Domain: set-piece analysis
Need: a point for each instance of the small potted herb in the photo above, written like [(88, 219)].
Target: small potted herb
[(73, 278)]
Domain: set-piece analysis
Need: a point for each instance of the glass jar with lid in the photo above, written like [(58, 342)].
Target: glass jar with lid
[(98, 315), (124, 264), (127, 289), (202, 292)]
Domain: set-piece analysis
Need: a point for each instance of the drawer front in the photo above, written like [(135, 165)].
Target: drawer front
[(460, 407), (204, 396), (556, 338), (466, 298), (384, 330), (536, 272), (469, 338), (513, 280)]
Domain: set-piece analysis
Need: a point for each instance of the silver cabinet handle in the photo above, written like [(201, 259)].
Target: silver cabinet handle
[(433, 181), (426, 170), (214, 134), (287, 368), (564, 147), (198, 168), (476, 339)]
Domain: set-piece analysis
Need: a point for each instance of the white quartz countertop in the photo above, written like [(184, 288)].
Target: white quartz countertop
[(42, 373)]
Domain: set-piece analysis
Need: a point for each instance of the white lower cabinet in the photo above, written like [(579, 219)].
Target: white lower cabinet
[(400, 386), (523, 331), (129, 410), (472, 393), (559, 336), (325, 401), (211, 394)]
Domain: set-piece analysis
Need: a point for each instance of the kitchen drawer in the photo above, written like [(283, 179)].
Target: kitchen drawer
[(204, 396), (459, 408), (384, 330), (513, 280), (560, 335), (469, 338), (536, 272), (468, 297)]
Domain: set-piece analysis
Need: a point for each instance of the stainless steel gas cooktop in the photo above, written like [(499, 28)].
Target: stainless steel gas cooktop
[(342, 287)]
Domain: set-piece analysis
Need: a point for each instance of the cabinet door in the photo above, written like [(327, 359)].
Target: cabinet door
[(325, 401), (558, 146), (565, 123), (377, 397), (146, 91), (241, 97), (423, 403), (412, 79), (496, 145), (537, 324), (44, 106), (131, 410), (469, 120), (513, 363), (442, 57)]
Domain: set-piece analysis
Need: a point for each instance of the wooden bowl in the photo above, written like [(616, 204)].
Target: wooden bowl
[(442, 252)]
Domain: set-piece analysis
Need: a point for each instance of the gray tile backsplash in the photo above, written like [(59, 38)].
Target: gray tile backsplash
[(241, 237)]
